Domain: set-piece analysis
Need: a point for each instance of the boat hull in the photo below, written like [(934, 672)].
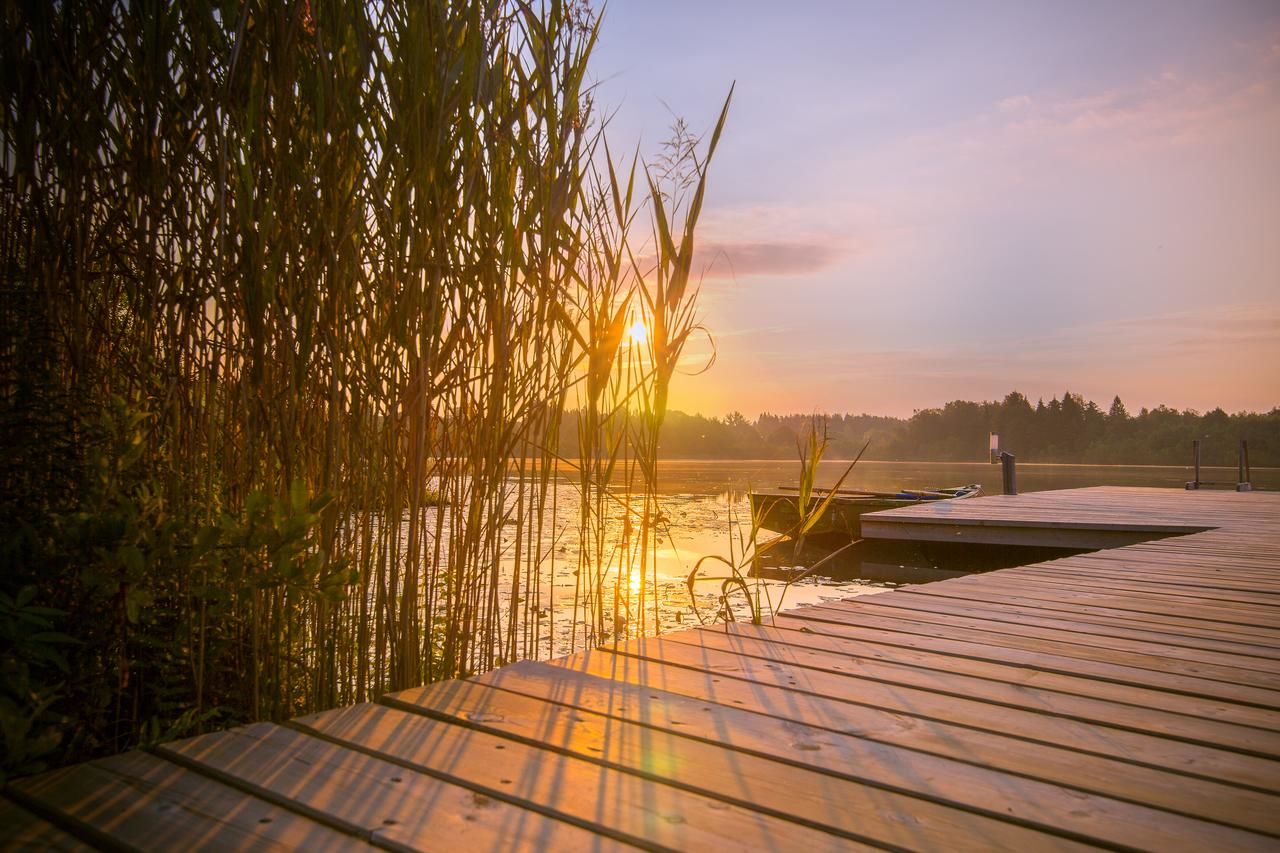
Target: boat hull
[(779, 511)]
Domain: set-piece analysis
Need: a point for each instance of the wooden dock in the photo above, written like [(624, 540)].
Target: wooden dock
[(1090, 519), (1127, 698)]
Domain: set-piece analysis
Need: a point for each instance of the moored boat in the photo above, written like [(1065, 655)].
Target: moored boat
[(779, 510)]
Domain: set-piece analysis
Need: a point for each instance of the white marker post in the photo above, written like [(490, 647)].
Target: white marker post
[(1007, 471)]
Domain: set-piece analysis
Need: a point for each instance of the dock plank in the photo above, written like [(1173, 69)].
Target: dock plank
[(143, 802), (870, 707), (814, 759), (1074, 620), (1133, 614), (1258, 617), (1124, 698), (937, 691), (1149, 656), (673, 698), (1152, 600), (576, 788), (1062, 637), (372, 798), (22, 831), (1153, 580), (914, 660)]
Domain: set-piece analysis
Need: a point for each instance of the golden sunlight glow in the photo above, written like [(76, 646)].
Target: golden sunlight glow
[(638, 332)]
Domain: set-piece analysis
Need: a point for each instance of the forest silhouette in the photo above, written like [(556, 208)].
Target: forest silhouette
[(1069, 429)]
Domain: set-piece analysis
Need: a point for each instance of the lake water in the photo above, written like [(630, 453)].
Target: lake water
[(704, 503), (718, 477)]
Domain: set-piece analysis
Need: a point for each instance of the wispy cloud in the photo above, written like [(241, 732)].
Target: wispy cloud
[(1174, 107), (1222, 324), (741, 260), (1164, 111), (785, 240), (1013, 103)]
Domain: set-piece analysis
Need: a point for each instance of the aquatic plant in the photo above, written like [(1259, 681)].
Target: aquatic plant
[(295, 299), (745, 560)]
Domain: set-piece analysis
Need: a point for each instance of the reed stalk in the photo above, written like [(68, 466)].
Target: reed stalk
[(296, 300)]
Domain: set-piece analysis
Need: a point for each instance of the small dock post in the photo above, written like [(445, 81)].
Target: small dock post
[(1195, 460), (1008, 470), (1243, 480), (1008, 473)]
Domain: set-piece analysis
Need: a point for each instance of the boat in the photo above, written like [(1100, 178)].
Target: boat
[(779, 510)]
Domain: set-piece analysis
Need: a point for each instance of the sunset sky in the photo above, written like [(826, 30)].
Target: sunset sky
[(919, 202)]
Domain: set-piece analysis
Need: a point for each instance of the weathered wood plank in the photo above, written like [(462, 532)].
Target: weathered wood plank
[(937, 693), (371, 798), (628, 807), (902, 658), (1209, 550), (1070, 621), (1152, 656), (21, 831), (1059, 631), (823, 699), (698, 742), (143, 802), (692, 703), (1033, 598), (1149, 580), (841, 708), (1197, 572), (1153, 603)]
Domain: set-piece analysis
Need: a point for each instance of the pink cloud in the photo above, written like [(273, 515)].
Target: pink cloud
[(743, 259), (786, 240), (1020, 138), (1014, 103), (1164, 110)]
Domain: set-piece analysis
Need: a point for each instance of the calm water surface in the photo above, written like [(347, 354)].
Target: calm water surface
[(718, 477), (707, 513)]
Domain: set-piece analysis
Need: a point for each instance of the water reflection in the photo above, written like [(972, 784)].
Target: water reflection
[(703, 511)]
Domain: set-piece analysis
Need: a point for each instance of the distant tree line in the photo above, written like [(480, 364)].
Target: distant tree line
[(1066, 429)]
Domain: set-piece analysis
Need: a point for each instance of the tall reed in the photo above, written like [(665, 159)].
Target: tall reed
[(747, 552), (296, 299)]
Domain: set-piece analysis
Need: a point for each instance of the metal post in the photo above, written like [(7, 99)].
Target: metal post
[(1009, 473), (1243, 480), (1195, 456)]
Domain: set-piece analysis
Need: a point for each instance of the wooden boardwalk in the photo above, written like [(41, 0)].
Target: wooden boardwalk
[(1120, 699), (1093, 518)]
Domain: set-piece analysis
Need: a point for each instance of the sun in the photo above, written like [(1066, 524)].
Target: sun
[(638, 332)]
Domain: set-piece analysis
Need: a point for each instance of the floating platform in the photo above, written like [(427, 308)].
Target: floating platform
[(1127, 698)]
